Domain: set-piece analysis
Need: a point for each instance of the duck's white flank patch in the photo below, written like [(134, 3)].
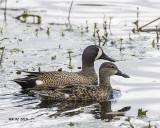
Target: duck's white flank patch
[(99, 54), (66, 95), (39, 82)]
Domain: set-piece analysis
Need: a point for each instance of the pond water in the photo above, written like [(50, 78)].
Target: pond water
[(45, 46)]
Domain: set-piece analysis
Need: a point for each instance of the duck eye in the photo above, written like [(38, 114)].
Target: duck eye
[(112, 67), (97, 49)]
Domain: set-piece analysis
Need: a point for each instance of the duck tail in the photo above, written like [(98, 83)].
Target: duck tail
[(25, 82)]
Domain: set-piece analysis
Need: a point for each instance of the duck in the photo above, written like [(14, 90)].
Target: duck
[(85, 92), (87, 75)]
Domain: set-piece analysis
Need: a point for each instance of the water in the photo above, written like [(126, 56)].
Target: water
[(30, 46)]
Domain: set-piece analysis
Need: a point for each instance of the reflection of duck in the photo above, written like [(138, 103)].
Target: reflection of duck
[(104, 111), (86, 92), (59, 78), (101, 110)]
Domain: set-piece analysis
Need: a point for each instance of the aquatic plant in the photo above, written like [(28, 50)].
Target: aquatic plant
[(121, 44), (4, 38), (99, 38), (39, 69), (62, 34), (2, 48), (110, 25), (140, 28), (153, 44), (48, 31), (69, 65), (14, 50), (5, 11), (129, 121), (69, 13), (130, 36), (157, 35), (1, 30), (82, 30), (142, 113), (25, 15), (105, 25), (137, 21), (95, 27), (18, 72), (87, 28), (71, 124)]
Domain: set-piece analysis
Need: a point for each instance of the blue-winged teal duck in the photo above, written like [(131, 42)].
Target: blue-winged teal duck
[(86, 92), (60, 78)]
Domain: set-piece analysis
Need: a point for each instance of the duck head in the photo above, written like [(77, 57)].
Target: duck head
[(109, 69), (92, 53)]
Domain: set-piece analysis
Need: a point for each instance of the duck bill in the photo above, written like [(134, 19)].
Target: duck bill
[(105, 57), (119, 73)]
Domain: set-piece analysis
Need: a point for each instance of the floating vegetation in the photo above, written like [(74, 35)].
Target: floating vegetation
[(71, 124), (18, 72), (23, 18), (4, 39), (14, 50), (69, 29), (142, 113), (2, 48)]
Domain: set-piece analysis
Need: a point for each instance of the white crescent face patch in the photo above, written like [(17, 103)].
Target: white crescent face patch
[(99, 53)]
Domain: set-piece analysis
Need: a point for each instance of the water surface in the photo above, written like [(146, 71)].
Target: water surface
[(29, 46)]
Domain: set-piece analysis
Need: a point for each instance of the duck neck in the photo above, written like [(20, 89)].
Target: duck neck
[(88, 68), (104, 81)]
